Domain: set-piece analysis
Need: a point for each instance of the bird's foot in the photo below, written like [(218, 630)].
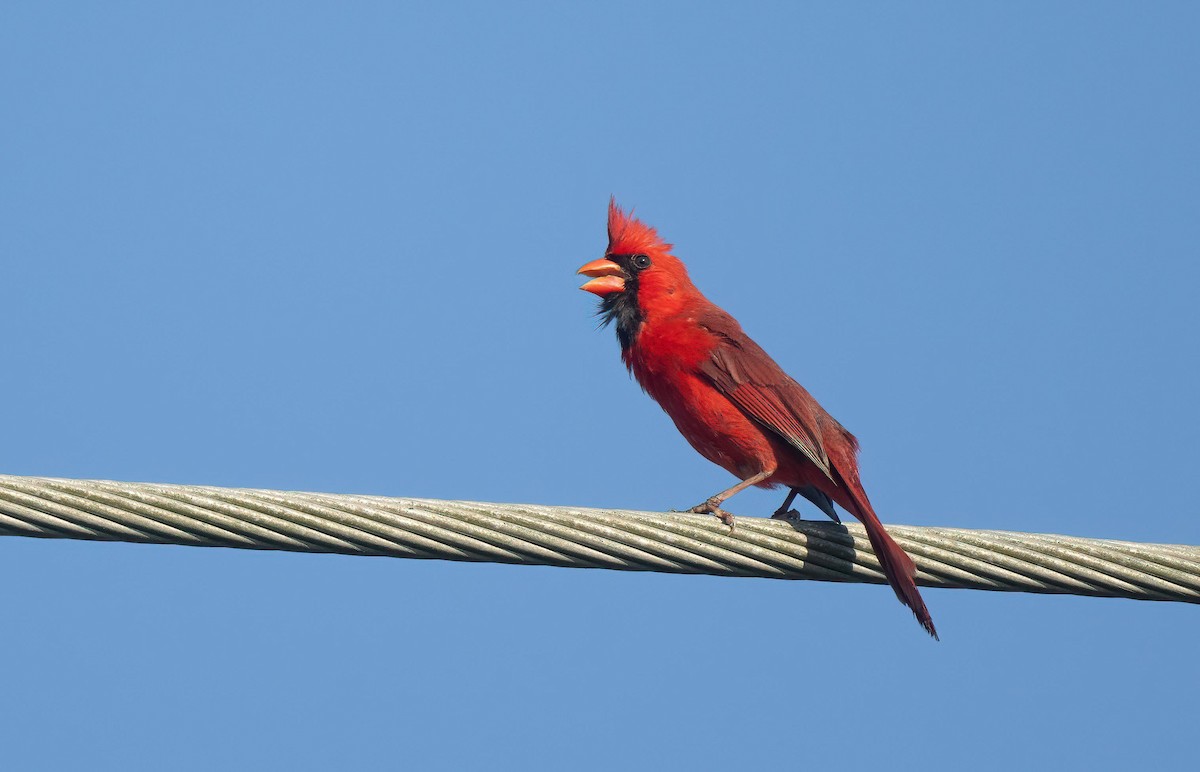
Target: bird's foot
[(789, 515), (712, 507)]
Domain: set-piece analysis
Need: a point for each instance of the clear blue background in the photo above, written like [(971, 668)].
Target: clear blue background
[(332, 247)]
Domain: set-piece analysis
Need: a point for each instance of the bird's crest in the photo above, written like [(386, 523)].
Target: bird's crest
[(628, 235)]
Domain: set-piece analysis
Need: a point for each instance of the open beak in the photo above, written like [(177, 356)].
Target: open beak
[(607, 277)]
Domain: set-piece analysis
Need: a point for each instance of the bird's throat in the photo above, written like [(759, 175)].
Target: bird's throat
[(622, 310)]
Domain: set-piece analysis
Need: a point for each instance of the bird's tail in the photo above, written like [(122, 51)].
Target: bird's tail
[(897, 565)]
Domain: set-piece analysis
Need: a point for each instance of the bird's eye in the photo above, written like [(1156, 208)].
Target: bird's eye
[(640, 262)]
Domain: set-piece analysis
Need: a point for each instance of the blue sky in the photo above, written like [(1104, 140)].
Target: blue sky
[(332, 247)]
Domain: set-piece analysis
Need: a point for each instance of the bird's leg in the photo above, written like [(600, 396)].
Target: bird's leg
[(785, 511), (712, 506), (813, 494)]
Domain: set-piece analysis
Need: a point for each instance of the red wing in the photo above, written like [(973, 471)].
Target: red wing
[(744, 373)]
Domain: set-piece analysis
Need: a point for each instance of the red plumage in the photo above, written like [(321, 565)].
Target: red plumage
[(727, 397)]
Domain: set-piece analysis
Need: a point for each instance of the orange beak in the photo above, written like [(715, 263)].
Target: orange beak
[(609, 277)]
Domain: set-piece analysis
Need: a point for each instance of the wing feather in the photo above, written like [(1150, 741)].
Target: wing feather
[(744, 373)]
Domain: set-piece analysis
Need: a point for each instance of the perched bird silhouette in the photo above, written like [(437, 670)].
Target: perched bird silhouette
[(728, 398)]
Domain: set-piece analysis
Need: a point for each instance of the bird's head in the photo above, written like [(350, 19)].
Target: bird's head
[(637, 277)]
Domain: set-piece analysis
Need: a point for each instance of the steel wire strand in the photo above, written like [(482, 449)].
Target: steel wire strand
[(586, 538)]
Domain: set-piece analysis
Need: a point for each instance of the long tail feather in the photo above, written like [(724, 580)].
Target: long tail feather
[(897, 565)]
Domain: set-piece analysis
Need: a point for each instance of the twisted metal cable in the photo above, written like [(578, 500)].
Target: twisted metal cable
[(586, 538)]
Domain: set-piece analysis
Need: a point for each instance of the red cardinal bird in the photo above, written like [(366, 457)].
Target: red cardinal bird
[(729, 399)]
